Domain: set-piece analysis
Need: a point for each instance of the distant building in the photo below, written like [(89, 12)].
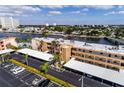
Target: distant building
[(8, 22), (47, 24), (54, 24), (4, 42)]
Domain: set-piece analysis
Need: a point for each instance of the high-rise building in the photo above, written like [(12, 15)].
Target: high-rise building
[(9, 22)]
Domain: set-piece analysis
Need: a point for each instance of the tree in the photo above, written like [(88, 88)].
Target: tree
[(45, 67), (18, 39), (26, 58), (5, 57), (2, 58), (56, 58), (55, 46), (69, 30), (40, 46), (29, 39), (45, 34)]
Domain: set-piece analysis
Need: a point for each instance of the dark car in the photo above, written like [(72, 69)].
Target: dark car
[(44, 83)]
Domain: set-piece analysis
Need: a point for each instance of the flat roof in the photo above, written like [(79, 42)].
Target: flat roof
[(6, 51), (40, 55), (103, 73), (81, 44)]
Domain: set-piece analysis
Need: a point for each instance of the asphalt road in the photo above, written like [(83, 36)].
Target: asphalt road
[(70, 77), (93, 83), (8, 80)]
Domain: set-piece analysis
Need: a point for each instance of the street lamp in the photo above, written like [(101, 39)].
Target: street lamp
[(82, 83)]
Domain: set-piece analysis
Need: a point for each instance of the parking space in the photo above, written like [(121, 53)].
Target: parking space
[(51, 84), (22, 75)]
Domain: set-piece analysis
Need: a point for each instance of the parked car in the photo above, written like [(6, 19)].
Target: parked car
[(44, 83), (18, 70), (36, 81)]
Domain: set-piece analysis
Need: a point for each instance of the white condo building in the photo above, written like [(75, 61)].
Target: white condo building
[(8, 22)]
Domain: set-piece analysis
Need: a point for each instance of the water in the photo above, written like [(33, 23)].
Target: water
[(25, 36)]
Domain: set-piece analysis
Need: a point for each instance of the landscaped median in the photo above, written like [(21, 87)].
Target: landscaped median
[(50, 77)]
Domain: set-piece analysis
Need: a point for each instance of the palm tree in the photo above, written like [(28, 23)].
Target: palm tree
[(26, 58), (4, 57), (45, 67), (45, 34), (40, 46), (56, 58), (55, 47)]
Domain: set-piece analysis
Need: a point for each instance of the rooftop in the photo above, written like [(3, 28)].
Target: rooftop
[(92, 46), (40, 55), (107, 74), (6, 51), (7, 37)]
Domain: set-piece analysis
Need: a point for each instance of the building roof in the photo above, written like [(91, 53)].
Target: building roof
[(6, 51), (104, 73), (40, 55), (81, 44)]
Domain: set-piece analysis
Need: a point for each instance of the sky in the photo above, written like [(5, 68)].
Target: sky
[(65, 14)]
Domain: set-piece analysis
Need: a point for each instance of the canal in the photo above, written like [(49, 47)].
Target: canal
[(26, 35)]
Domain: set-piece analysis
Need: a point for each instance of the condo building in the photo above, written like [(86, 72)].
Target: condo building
[(108, 58), (9, 22), (4, 42)]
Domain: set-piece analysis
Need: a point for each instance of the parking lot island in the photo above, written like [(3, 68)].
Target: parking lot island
[(31, 69)]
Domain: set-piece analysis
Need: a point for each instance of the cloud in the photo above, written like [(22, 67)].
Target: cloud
[(120, 6), (6, 14), (75, 12), (31, 8), (114, 12), (53, 6), (103, 7), (55, 12), (85, 9), (18, 10), (78, 12)]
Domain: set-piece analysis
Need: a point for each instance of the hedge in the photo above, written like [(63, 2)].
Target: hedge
[(48, 76)]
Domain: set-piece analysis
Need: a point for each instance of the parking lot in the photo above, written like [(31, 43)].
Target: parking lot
[(14, 76), (63, 75), (66, 75)]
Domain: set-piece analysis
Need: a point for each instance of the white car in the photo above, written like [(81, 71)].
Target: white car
[(36, 81), (14, 68), (18, 70), (8, 65)]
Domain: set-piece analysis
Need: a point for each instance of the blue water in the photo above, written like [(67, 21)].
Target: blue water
[(25, 36)]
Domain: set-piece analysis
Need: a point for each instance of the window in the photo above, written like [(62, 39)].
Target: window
[(82, 55), (90, 51), (122, 64), (122, 57), (2, 46), (109, 55), (1, 42), (79, 49), (109, 61)]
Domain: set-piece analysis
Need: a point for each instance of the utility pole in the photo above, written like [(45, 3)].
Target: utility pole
[(82, 83)]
